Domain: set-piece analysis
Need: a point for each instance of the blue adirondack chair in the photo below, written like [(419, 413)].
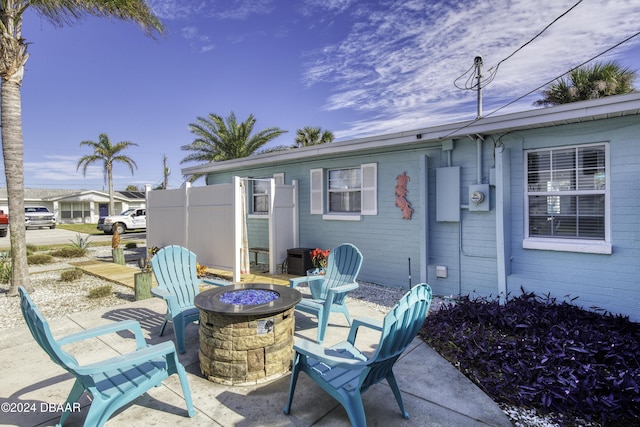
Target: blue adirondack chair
[(175, 270), (329, 291), (345, 373), (114, 382)]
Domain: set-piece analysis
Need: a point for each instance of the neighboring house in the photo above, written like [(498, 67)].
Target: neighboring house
[(73, 206), (545, 200)]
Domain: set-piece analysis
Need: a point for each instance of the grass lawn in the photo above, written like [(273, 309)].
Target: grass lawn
[(81, 228)]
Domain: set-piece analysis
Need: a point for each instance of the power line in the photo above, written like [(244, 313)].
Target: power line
[(543, 85), (536, 36), (469, 85)]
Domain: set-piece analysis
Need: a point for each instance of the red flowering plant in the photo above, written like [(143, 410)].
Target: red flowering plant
[(319, 258)]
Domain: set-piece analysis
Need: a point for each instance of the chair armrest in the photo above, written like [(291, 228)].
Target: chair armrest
[(344, 288), (128, 359), (160, 293), (297, 280), (328, 356), (130, 325), (214, 282), (366, 322)]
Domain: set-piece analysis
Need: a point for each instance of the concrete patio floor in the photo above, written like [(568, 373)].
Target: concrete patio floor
[(434, 392)]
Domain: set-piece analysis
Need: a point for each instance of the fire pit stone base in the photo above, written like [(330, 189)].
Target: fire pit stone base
[(244, 350)]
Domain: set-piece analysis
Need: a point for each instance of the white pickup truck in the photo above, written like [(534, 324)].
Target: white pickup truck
[(131, 219)]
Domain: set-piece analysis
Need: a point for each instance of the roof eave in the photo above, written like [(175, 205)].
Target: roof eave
[(612, 106)]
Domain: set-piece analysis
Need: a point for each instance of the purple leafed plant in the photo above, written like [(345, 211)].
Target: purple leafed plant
[(249, 297), (533, 351)]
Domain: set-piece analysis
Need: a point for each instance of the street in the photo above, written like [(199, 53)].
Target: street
[(58, 236)]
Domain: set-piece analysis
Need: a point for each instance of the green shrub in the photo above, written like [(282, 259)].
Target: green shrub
[(71, 275), (39, 259), (70, 252), (81, 242), (101, 292), (131, 245), (5, 267)]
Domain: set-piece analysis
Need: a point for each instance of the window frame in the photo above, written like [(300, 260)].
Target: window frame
[(569, 244), (319, 193), (356, 191)]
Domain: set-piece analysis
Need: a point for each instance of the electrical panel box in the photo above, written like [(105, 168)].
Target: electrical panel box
[(448, 194), (479, 198)]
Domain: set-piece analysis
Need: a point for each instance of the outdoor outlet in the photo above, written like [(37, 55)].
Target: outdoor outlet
[(441, 271)]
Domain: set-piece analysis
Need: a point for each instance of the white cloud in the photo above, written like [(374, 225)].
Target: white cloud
[(399, 60)]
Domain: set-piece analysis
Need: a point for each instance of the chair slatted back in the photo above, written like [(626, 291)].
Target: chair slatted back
[(400, 327), (343, 267), (39, 328), (175, 270)]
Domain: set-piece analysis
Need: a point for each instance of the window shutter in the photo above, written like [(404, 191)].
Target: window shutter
[(369, 173), (316, 191), (279, 178)]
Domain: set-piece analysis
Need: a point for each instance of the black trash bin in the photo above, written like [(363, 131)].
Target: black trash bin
[(299, 261)]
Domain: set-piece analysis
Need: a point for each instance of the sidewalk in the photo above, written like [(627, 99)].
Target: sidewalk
[(434, 392)]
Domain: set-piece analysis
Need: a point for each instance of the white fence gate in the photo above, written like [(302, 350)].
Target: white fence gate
[(209, 221)]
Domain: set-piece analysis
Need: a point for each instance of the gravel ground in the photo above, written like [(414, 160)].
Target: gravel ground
[(56, 298)]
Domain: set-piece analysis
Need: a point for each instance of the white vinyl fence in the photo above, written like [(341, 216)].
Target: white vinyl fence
[(209, 221)]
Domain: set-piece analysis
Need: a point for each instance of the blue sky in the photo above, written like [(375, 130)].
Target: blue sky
[(355, 67)]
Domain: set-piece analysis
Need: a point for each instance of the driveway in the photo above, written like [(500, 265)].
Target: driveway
[(58, 236)]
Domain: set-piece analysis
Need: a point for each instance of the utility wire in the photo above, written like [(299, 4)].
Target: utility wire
[(542, 85), (536, 36), (469, 85)]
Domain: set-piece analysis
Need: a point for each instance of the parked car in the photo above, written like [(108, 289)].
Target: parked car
[(4, 224), (131, 219), (39, 216)]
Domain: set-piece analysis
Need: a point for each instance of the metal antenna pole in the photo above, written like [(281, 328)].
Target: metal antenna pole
[(478, 63), (409, 273)]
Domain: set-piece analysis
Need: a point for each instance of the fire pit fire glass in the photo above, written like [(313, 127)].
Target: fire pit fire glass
[(246, 332)]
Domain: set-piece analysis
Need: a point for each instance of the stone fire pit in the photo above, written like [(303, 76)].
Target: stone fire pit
[(246, 332)]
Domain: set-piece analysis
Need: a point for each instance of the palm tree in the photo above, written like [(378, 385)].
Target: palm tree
[(312, 136), (601, 79), (13, 57), (108, 154), (217, 141)]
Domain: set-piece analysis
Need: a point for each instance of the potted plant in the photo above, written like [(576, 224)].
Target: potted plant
[(319, 258), (143, 281)]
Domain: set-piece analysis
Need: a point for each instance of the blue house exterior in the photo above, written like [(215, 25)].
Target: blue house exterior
[(545, 200)]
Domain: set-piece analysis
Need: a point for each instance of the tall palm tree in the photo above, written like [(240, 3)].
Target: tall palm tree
[(217, 141), (601, 79), (107, 154), (13, 57), (312, 136)]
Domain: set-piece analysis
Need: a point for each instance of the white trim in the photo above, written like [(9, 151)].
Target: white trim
[(571, 245), (316, 191), (369, 190), (584, 246), (341, 217)]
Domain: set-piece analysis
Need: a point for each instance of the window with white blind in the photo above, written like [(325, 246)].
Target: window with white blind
[(350, 192), (260, 196), (567, 200)]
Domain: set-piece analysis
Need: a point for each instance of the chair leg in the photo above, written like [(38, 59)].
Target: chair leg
[(343, 309), (74, 396), (292, 385), (179, 331), (164, 325), (355, 409), (391, 379), (323, 321), (186, 391)]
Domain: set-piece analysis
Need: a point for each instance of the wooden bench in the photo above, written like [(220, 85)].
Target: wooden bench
[(256, 251)]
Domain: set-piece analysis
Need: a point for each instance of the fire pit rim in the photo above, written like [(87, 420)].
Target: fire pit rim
[(210, 300)]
